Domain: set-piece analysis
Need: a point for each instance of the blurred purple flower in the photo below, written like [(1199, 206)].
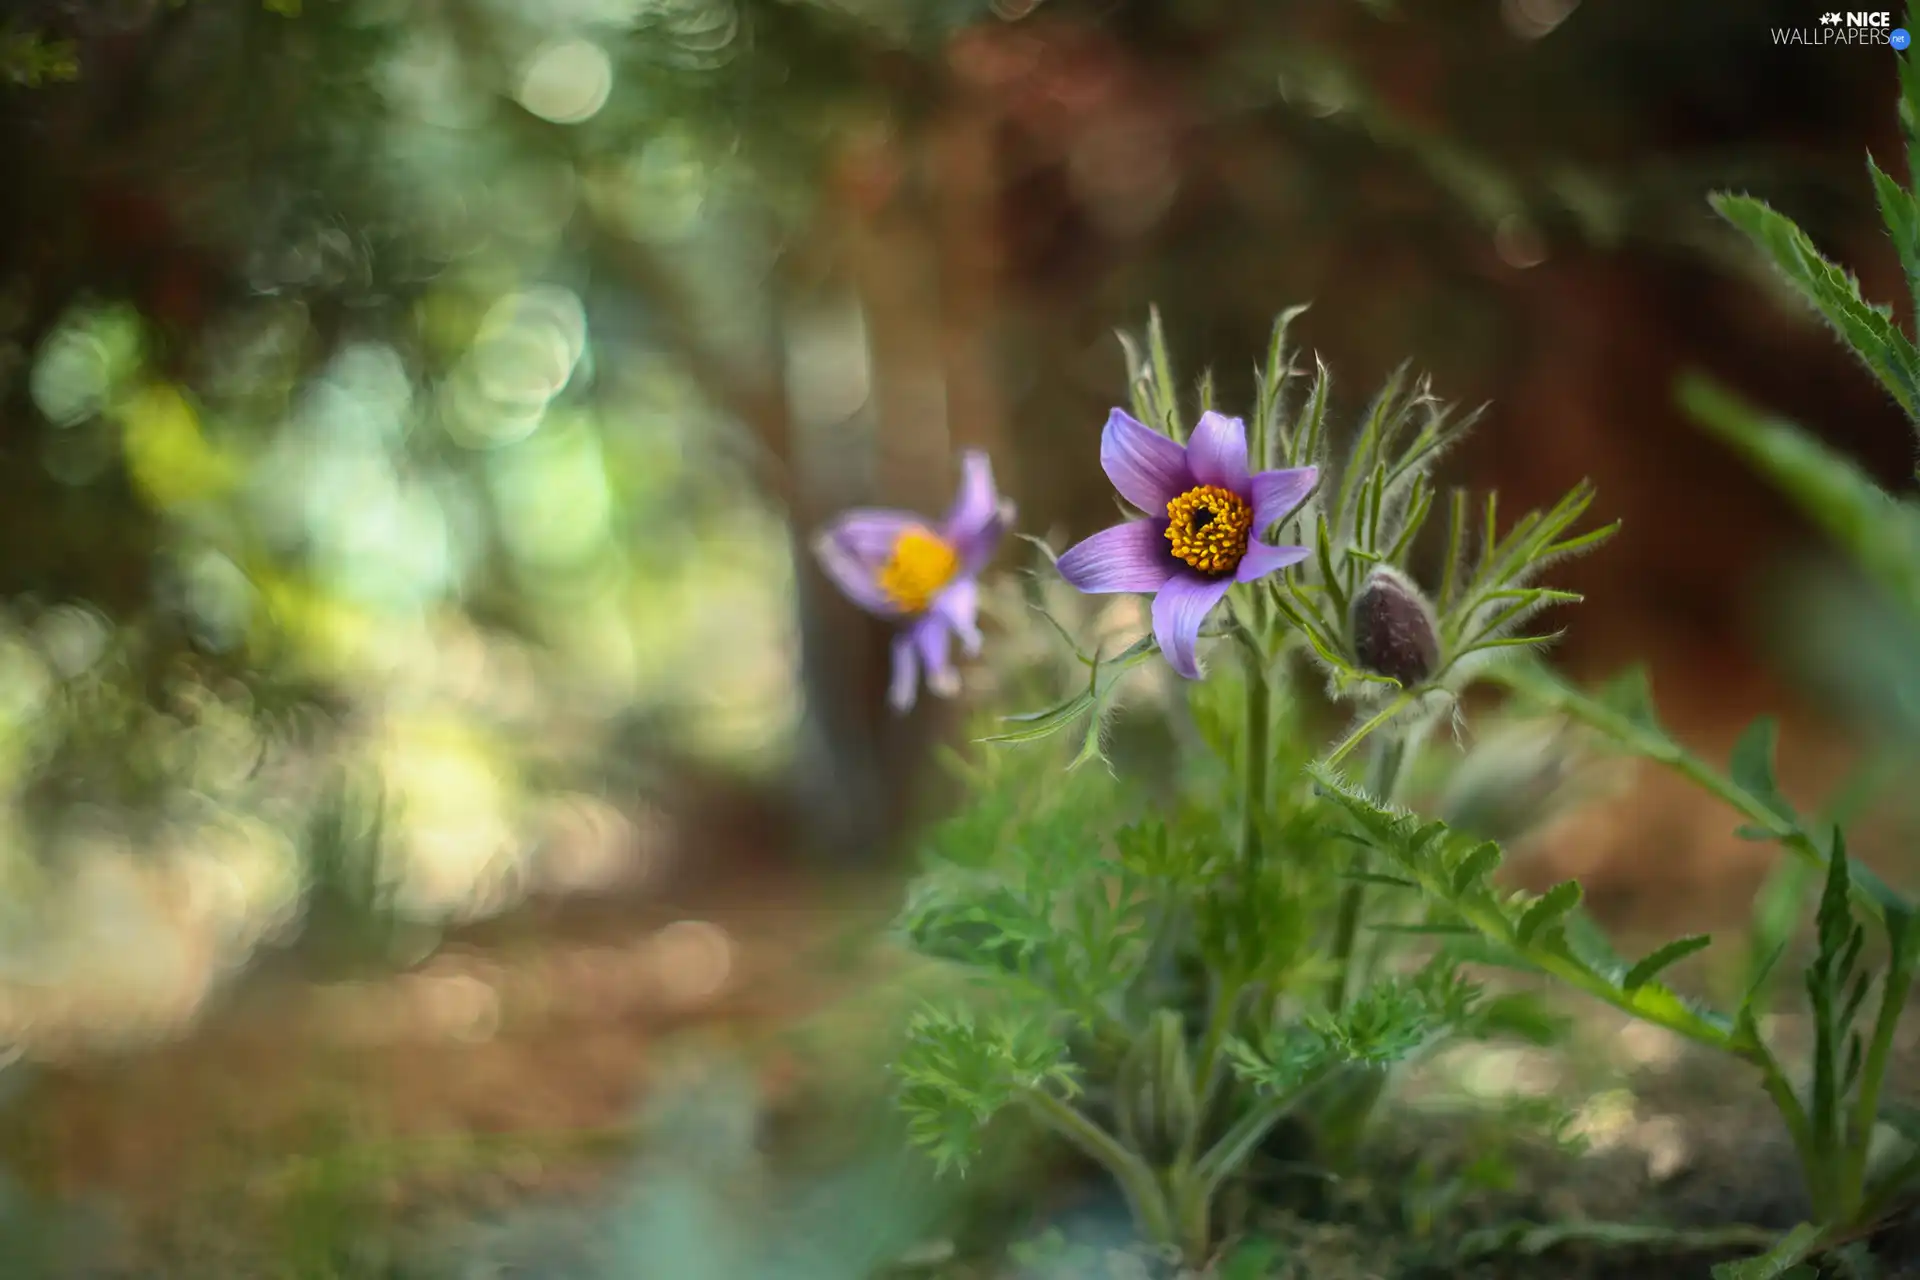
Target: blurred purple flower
[(1204, 514), (893, 565)]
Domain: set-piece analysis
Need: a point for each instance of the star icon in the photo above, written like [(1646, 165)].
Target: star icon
[(1829, 19)]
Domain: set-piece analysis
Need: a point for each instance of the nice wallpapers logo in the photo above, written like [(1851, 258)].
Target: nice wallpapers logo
[(1835, 27)]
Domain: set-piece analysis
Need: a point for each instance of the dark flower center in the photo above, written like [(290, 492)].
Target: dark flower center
[(1208, 528)]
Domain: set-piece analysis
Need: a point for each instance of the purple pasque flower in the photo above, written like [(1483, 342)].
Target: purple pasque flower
[(1204, 515), (898, 566)]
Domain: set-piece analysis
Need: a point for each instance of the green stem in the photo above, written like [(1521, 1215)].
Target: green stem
[(1146, 1199), (1653, 743), (1792, 1112), (1894, 989), (1823, 1109), (1253, 776), (1383, 780), (1211, 1069), (1360, 735), (1237, 1143), (1190, 1201)]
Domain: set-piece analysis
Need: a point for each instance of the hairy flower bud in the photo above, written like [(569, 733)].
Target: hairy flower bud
[(1393, 630)]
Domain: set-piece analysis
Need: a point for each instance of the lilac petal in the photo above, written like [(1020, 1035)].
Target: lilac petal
[(1264, 558), (1148, 469), (979, 516), (855, 547), (1128, 557), (904, 689), (1182, 605), (1218, 452), (959, 607), (1277, 493), (977, 501), (934, 639)]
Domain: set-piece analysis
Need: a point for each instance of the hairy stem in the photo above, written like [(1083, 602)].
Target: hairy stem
[(1366, 730), (1384, 767)]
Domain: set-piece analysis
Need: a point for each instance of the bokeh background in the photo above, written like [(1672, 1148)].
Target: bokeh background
[(413, 413)]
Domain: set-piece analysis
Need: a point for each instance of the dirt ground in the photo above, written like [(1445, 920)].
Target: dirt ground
[(501, 1080)]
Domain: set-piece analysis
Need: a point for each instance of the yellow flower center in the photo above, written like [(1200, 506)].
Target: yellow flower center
[(1209, 527), (921, 564)]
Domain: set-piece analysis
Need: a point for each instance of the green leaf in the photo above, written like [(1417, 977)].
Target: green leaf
[(1093, 700), (1547, 910), (1588, 941), (1168, 404), (1523, 1015), (1901, 212), (1752, 765), (1380, 878), (1613, 714), (1645, 970), (1866, 329), (1776, 912), (1835, 916), (1910, 108), (1252, 1259), (1879, 533), (1782, 1262), (1475, 867), (1629, 695), (1043, 724), (1269, 431)]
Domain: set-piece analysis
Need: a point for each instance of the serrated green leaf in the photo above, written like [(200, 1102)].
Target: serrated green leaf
[(1546, 910), (1901, 213), (1649, 967), (1835, 916), (1479, 863), (1867, 330), (1782, 1262)]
